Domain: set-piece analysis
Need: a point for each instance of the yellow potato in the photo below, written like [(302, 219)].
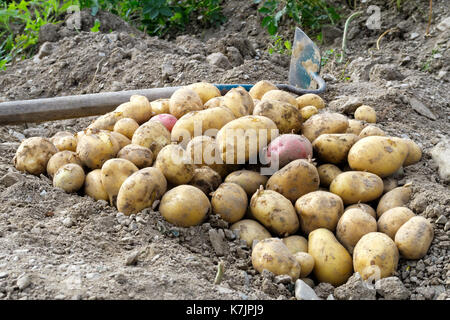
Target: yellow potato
[(65, 141), (126, 126), (140, 156), (296, 243), (184, 206), (332, 262), (324, 123), (205, 90), (379, 155), (96, 147), (393, 219), (274, 211), (371, 130), (260, 88), (357, 186), (308, 111), (138, 108), (334, 147), (114, 173), (286, 116), (70, 177), (153, 135), (366, 113), (306, 262), (239, 101), (319, 209), (160, 106), (175, 164), (250, 230), (364, 207), (121, 139), (273, 255), (375, 256), (93, 186), (33, 155), (206, 179), (297, 178), (327, 172), (414, 153), (397, 197), (310, 99), (214, 103), (230, 202), (250, 181), (279, 95), (414, 237), (354, 224), (106, 121), (184, 100), (355, 126), (61, 158)]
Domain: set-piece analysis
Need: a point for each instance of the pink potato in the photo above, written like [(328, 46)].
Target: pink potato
[(166, 119), (289, 147)]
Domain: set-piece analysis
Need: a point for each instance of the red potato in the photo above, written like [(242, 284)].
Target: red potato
[(289, 147), (166, 119)]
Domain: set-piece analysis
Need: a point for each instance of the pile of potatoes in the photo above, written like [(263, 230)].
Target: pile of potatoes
[(344, 213)]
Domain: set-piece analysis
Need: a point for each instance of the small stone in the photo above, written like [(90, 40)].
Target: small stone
[(235, 56), (304, 292), (218, 59), (421, 109), (442, 220), (60, 297), (3, 275), (132, 258), (217, 239), (229, 234), (323, 290), (420, 266), (269, 287), (447, 226), (283, 279), (346, 104), (444, 24), (441, 156), (23, 281), (11, 178), (67, 222), (414, 35), (331, 297), (266, 274), (355, 289), (392, 288)]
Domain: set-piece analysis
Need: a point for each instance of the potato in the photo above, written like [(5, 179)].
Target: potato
[(357, 186), (206, 91), (371, 130), (33, 155), (79, 135), (141, 157), (121, 139), (364, 207), (273, 255), (114, 173), (274, 211), (250, 230), (184, 100), (310, 99), (279, 95), (96, 147), (260, 88), (354, 224), (214, 102), (204, 151), (64, 141), (324, 123), (414, 153), (375, 256), (319, 209), (334, 147), (297, 178), (288, 147), (230, 202), (70, 177), (206, 179), (126, 127), (332, 262), (93, 186), (250, 181), (138, 108), (296, 243), (198, 123), (306, 262), (61, 158), (175, 164), (389, 184), (106, 121), (166, 119), (239, 101), (286, 116), (153, 135), (397, 197), (327, 172), (308, 111), (413, 238), (241, 140), (366, 113), (160, 106), (379, 155), (140, 190), (355, 126), (184, 206), (393, 219)]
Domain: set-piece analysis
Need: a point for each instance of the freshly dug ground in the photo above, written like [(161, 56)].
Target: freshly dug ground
[(67, 246)]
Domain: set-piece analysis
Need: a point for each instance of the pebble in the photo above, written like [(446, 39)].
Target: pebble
[(284, 279), (414, 35), (392, 288), (217, 239), (447, 226), (355, 289), (132, 258), (304, 292), (23, 281), (441, 220), (3, 275), (67, 222)]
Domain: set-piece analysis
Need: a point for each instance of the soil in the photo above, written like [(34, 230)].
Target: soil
[(67, 246)]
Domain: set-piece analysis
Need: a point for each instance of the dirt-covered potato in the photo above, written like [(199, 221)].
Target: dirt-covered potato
[(297, 178), (355, 126), (249, 180), (121, 139), (273, 255), (70, 177), (260, 88), (393, 219), (64, 140), (310, 99), (175, 164), (379, 155), (413, 238), (375, 256), (286, 116), (332, 262), (239, 101), (153, 135), (93, 186), (371, 130), (114, 173), (250, 230), (389, 184), (96, 147), (327, 172), (141, 157), (138, 108), (354, 224), (184, 100), (61, 158), (279, 95), (296, 243), (106, 121), (366, 113), (319, 209), (334, 147), (397, 197), (206, 179), (184, 206), (214, 103), (206, 91), (364, 207), (357, 186), (126, 127), (308, 111), (160, 106), (288, 147), (140, 190), (230, 202), (33, 155), (414, 153), (274, 211), (242, 139), (306, 262), (324, 123)]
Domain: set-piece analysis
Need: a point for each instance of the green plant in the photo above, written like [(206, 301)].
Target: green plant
[(96, 26), (280, 45)]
